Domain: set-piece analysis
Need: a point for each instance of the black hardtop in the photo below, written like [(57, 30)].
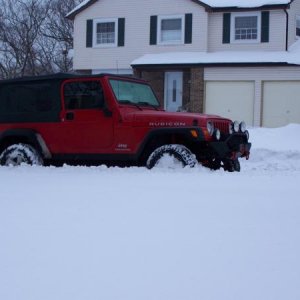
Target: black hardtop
[(59, 77)]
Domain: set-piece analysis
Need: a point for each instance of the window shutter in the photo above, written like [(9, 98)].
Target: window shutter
[(265, 20), (226, 28), (188, 28), (89, 33), (121, 32), (153, 30)]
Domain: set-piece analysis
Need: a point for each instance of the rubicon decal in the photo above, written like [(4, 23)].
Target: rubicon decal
[(166, 124)]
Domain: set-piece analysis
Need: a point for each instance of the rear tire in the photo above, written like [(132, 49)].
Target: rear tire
[(18, 154), (178, 153)]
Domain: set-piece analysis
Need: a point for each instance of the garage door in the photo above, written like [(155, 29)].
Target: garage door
[(281, 103), (231, 99)]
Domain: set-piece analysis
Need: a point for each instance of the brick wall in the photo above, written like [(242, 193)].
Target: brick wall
[(197, 90)]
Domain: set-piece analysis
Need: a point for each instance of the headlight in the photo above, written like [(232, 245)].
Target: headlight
[(236, 126), (210, 127), (243, 126), (217, 134)]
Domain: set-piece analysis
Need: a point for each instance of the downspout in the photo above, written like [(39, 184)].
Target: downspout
[(286, 30)]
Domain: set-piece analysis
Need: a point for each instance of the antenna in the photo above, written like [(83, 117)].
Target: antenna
[(117, 65)]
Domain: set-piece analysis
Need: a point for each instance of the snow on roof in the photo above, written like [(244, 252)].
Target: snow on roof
[(225, 57), (78, 7), (243, 3), (211, 3)]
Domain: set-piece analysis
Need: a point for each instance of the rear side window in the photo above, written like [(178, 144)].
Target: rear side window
[(83, 95), (26, 98)]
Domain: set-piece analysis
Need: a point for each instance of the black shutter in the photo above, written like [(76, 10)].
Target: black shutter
[(265, 20), (226, 28), (89, 33), (121, 32), (188, 28), (153, 30)]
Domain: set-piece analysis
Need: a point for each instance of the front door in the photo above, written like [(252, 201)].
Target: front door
[(173, 91), (86, 128)]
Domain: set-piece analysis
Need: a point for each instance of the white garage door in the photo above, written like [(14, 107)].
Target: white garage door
[(281, 103), (231, 99)]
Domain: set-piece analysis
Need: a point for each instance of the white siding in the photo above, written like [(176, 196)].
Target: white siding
[(293, 12), (137, 30), (276, 41), (257, 74)]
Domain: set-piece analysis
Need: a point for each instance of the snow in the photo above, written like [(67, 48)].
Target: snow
[(243, 3), (131, 233), (215, 3), (78, 7), (291, 57)]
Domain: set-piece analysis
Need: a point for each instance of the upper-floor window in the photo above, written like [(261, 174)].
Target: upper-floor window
[(106, 31), (298, 26), (171, 29), (245, 27)]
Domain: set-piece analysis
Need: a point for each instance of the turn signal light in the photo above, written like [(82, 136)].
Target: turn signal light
[(194, 133)]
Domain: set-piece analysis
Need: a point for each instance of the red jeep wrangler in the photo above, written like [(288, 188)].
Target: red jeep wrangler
[(108, 119)]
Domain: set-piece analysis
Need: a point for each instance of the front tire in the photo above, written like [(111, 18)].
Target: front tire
[(180, 155), (18, 154)]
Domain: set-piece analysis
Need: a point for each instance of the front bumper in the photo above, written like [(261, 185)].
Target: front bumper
[(232, 147)]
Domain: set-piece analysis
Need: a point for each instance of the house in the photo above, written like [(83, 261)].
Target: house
[(236, 58)]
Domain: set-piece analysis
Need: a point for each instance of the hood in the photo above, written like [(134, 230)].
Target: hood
[(154, 118)]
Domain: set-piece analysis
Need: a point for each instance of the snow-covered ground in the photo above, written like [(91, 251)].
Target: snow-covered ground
[(133, 234)]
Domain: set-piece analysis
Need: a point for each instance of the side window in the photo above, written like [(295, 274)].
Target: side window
[(83, 95), (27, 98)]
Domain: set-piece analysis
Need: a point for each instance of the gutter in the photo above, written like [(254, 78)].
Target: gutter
[(208, 65), (286, 30)]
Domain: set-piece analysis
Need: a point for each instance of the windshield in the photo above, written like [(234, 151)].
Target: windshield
[(133, 92)]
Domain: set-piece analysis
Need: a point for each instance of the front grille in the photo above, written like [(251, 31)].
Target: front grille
[(222, 125)]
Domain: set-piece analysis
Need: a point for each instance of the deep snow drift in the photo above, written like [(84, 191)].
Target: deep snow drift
[(109, 233)]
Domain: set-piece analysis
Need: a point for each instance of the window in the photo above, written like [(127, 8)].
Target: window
[(298, 26), (171, 29), (245, 27), (27, 98), (83, 95), (105, 32)]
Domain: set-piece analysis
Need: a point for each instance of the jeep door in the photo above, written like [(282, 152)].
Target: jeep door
[(87, 128)]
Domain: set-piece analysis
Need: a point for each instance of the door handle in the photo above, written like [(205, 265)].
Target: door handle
[(69, 116)]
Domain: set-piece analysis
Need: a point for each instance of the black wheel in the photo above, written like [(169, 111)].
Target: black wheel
[(232, 165), (18, 154), (176, 155)]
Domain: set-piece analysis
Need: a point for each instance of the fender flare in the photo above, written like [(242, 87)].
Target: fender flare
[(184, 131), (33, 137)]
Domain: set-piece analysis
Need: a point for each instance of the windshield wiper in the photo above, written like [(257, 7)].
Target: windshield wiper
[(147, 104), (129, 102)]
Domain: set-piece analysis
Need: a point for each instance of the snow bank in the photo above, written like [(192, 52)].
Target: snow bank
[(110, 233)]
